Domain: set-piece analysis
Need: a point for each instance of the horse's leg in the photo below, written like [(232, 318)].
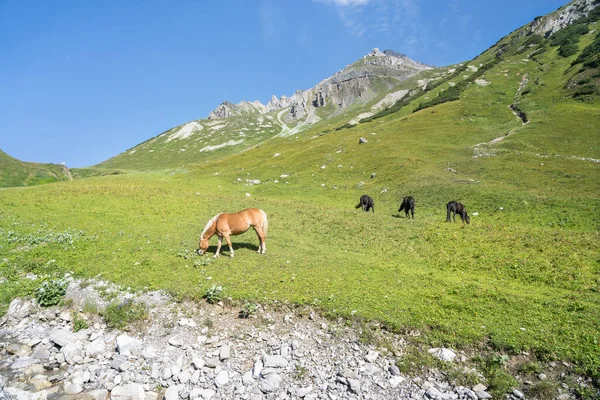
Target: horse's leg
[(229, 244), (262, 247), (412, 211), (218, 247)]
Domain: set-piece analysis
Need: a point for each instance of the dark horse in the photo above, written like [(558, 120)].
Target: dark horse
[(408, 204), (457, 208), (366, 202)]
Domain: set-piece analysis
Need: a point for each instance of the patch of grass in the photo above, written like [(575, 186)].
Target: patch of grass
[(90, 307), (301, 373), (78, 322), (543, 390), (499, 380), (122, 315)]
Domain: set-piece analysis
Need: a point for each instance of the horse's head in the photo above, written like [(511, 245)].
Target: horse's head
[(202, 246), (467, 219)]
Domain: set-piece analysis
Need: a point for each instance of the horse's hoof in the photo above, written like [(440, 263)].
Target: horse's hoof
[(231, 255), (216, 256)]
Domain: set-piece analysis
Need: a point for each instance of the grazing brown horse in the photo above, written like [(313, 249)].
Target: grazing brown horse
[(225, 224), (408, 204), (457, 208), (366, 202)]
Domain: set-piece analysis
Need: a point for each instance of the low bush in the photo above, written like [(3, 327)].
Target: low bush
[(51, 292), (119, 315)]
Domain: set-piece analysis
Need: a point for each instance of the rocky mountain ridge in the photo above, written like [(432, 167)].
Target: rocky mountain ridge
[(564, 16), (343, 89)]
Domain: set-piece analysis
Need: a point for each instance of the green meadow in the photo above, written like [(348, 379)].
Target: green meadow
[(523, 276)]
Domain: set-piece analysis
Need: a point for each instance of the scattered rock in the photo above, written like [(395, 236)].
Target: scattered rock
[(130, 391), (443, 354)]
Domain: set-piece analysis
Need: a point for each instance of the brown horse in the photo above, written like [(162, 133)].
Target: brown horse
[(225, 224)]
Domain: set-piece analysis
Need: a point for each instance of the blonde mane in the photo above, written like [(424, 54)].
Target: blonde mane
[(209, 224)]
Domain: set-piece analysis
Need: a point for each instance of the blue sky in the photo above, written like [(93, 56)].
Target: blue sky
[(82, 81)]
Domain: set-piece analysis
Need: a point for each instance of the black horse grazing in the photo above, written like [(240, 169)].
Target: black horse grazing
[(366, 202), (457, 208), (408, 204)]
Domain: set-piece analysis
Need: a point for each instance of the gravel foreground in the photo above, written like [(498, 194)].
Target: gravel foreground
[(202, 351)]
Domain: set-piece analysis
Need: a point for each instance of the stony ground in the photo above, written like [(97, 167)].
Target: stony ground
[(203, 351)]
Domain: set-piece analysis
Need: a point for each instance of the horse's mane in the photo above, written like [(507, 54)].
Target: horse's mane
[(209, 224)]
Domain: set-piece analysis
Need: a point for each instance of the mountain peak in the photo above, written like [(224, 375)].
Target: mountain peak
[(375, 53), (389, 53)]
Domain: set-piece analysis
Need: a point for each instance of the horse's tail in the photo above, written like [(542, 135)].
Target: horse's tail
[(265, 223)]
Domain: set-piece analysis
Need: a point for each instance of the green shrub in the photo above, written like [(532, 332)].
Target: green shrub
[(78, 322), (570, 34), (119, 315), (51, 292), (533, 39), (247, 310), (213, 294), (568, 49)]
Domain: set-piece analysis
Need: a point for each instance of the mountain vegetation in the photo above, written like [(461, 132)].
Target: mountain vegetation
[(512, 134), (14, 172)]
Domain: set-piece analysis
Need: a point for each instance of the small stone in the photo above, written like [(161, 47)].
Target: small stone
[(394, 370), (184, 377), (295, 344), (433, 393), (483, 395), (149, 353), (443, 354), (212, 362), (518, 393), (396, 380), (302, 392), (224, 352), (270, 384), (256, 370), (354, 385), (175, 342), (222, 379), (542, 377), (198, 362), (371, 356), (130, 391), (247, 378), (126, 345), (275, 361), (72, 387), (172, 393), (62, 337), (207, 394), (479, 388)]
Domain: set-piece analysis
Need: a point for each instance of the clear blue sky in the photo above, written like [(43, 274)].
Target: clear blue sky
[(83, 80)]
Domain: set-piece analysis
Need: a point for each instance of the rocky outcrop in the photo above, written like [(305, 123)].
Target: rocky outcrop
[(359, 81), (227, 109), (562, 18)]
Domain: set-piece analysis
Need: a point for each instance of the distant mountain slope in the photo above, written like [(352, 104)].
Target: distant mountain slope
[(14, 172), (231, 128)]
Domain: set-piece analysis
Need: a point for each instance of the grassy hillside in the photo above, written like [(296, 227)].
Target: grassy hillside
[(524, 277), (14, 172)]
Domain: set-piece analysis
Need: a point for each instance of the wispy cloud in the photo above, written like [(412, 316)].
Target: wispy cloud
[(271, 20), (398, 17), (344, 3)]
